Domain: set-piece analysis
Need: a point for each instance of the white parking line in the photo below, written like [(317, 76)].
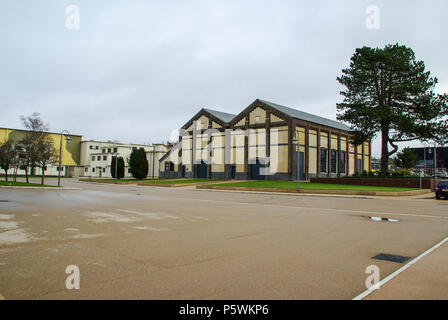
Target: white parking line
[(315, 208), (396, 273)]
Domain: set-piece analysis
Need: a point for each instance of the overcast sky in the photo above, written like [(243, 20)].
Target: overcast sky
[(136, 70)]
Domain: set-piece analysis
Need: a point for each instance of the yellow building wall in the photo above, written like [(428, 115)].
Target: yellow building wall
[(275, 119), (257, 112), (312, 164), (352, 163), (70, 152)]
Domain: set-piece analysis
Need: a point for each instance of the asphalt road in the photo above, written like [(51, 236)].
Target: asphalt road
[(136, 242)]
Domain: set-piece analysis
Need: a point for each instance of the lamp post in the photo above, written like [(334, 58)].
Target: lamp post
[(435, 165), (296, 144), (67, 141)]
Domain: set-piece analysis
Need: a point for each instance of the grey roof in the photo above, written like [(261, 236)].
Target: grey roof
[(223, 116), (294, 113)]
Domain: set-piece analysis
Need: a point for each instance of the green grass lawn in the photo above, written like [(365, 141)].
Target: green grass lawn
[(187, 181), (122, 180), (22, 184), (309, 186)]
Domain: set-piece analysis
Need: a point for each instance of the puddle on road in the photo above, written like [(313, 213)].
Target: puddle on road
[(6, 216), (102, 217), (150, 228), (8, 225), (15, 236), (151, 215), (378, 219)]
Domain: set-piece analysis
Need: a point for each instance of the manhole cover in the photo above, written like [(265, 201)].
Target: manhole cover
[(391, 258), (4, 200)]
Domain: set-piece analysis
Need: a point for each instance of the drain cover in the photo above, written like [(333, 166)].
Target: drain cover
[(391, 258), (4, 200)]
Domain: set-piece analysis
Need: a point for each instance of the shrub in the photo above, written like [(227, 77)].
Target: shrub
[(120, 168), (138, 164)]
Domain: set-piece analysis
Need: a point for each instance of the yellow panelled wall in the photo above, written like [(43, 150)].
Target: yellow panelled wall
[(70, 152), (257, 113)]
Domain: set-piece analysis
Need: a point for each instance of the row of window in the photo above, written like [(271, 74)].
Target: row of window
[(109, 150), (98, 158), (333, 161), (103, 169)]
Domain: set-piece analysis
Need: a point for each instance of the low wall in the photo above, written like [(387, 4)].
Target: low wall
[(427, 183)]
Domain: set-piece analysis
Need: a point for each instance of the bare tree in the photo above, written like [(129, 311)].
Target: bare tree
[(46, 153), (7, 156), (35, 138)]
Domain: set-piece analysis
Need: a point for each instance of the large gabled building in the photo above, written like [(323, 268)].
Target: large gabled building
[(258, 144)]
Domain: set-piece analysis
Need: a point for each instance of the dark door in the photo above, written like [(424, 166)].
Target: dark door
[(358, 165), (255, 171), (202, 170), (233, 172), (183, 171)]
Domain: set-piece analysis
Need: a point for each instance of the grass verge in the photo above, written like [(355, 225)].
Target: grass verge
[(311, 186), (23, 184)]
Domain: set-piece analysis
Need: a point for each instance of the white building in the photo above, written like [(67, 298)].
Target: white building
[(96, 158)]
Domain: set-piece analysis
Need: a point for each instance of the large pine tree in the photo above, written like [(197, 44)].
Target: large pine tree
[(388, 91)]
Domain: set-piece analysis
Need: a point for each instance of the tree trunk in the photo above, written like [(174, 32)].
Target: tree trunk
[(384, 150), (6, 174), (43, 175)]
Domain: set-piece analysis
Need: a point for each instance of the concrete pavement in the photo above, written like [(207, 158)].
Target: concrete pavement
[(133, 242)]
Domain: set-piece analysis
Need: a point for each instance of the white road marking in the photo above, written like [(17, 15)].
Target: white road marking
[(314, 208), (396, 273)]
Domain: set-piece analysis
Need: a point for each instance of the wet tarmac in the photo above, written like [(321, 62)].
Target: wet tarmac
[(137, 242)]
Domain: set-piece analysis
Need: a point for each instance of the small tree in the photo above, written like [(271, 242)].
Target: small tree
[(406, 159), (120, 168), (45, 153), (7, 156), (138, 164), (36, 130)]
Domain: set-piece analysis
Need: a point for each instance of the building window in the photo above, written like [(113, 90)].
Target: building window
[(93, 169), (169, 166), (97, 148), (98, 158), (334, 167), (343, 162), (323, 160), (104, 169), (86, 169), (91, 147), (115, 150), (104, 158), (104, 150), (93, 158), (109, 150)]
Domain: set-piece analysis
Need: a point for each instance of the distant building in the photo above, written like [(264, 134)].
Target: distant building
[(87, 158), (426, 158), (70, 152), (96, 158)]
